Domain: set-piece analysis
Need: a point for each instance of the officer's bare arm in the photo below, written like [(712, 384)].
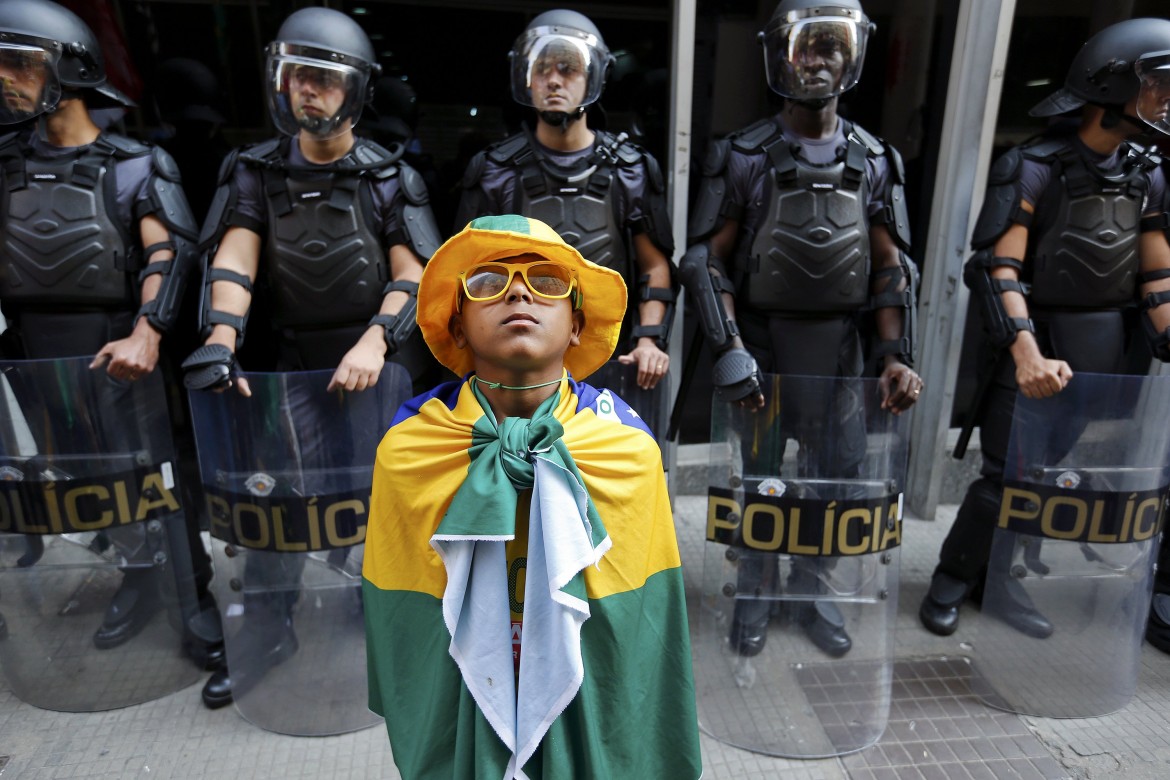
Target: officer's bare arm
[(1154, 251), (1036, 375), (238, 253)]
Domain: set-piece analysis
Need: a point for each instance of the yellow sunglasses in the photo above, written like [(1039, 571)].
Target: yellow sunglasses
[(489, 281)]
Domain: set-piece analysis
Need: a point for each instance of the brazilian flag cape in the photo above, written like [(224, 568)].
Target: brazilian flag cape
[(527, 633)]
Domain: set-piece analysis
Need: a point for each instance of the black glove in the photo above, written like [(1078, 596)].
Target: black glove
[(210, 367), (736, 375)]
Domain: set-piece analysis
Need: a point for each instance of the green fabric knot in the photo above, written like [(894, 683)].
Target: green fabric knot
[(501, 466)]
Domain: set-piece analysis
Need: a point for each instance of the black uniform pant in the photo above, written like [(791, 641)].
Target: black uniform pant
[(1090, 342), (828, 427)]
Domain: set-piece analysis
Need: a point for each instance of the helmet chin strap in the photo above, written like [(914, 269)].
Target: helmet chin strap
[(815, 105), (561, 119), (1115, 115)]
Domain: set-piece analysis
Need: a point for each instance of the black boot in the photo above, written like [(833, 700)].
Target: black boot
[(217, 691), (749, 627), (131, 608), (1019, 612), (1158, 629), (824, 624), (940, 607)]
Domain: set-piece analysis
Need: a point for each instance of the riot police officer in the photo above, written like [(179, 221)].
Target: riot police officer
[(800, 231), (1069, 240), (97, 243), (605, 195), (334, 228)]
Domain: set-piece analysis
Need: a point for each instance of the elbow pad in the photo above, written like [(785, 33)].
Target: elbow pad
[(898, 289)]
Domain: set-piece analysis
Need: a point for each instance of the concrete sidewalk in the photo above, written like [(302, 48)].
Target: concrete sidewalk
[(937, 727)]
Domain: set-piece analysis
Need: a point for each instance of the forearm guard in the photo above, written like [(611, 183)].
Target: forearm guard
[(1159, 340), (398, 327), (166, 202), (897, 289), (1001, 327), (210, 317), (705, 289), (660, 332)]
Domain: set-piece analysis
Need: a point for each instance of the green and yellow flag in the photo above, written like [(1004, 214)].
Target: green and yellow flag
[(523, 594)]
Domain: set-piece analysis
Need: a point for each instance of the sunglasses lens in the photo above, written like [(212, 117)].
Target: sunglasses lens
[(551, 281), (486, 282)]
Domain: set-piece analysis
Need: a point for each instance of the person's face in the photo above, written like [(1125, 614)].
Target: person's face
[(558, 79), (518, 331), (22, 80), (1153, 101), (316, 94), (819, 61)]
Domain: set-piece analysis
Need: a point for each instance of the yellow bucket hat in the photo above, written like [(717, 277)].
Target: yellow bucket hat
[(489, 239)]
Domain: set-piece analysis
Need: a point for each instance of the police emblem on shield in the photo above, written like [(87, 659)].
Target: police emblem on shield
[(10, 474), (1068, 480), (260, 484), (772, 487)]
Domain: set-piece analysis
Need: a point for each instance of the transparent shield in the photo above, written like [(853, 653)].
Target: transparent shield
[(1153, 101), (794, 637), (28, 74), (653, 406), (309, 90), (557, 69), (815, 58), (1075, 543), (287, 474), (95, 575)]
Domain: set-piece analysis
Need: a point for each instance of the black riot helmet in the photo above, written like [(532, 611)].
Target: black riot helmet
[(319, 73), (1125, 60), (814, 49), (559, 65), (46, 50)]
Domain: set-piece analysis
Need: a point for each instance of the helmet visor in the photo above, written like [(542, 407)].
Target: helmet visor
[(557, 69), (1153, 100), (311, 94), (810, 58), (28, 81)]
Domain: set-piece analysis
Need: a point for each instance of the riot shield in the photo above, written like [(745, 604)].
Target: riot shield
[(653, 406), (90, 517), (794, 633), (287, 473), (1071, 567)]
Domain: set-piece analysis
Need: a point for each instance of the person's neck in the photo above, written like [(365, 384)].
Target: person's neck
[(575, 137), (321, 151), (517, 403), (69, 125), (808, 122), (1103, 140)]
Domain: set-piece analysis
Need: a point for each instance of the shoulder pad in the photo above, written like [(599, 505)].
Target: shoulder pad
[(413, 186), (474, 171), (654, 174), (752, 137), (896, 164), (505, 151), (718, 152), (10, 139), (227, 167), (1043, 149), (264, 153), (371, 155), (125, 147), (1007, 168), (872, 142), (164, 164)]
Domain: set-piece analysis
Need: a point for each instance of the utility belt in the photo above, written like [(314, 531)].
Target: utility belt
[(58, 332), (317, 349)]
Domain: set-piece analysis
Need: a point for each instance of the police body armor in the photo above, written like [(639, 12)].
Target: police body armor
[(1084, 254), (796, 533), (580, 203), (1076, 538), (89, 496), (287, 475), (61, 244), (812, 251), (326, 264)]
